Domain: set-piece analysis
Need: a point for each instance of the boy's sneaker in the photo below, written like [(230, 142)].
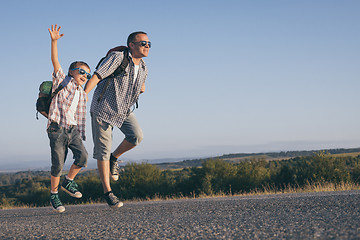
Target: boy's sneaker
[(114, 170), (56, 203), (112, 200), (70, 187)]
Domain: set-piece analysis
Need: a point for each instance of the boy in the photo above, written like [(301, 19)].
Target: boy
[(66, 124)]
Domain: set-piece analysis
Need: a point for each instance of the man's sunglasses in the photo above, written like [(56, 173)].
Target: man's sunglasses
[(82, 72), (144, 43)]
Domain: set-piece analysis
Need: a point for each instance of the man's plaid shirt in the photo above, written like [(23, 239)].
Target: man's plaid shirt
[(122, 92), (61, 103)]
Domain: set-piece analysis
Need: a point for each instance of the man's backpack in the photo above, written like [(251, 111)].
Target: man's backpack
[(45, 96), (118, 71)]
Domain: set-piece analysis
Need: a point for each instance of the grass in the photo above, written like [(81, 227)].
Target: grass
[(265, 190)]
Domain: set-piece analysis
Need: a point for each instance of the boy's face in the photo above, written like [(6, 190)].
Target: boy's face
[(80, 74)]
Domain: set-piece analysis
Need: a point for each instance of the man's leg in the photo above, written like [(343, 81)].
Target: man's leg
[(133, 135), (122, 148), (114, 166), (102, 136), (104, 172)]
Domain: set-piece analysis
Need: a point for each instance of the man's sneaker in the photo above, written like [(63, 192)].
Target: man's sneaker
[(112, 200), (56, 203), (70, 187), (114, 170)]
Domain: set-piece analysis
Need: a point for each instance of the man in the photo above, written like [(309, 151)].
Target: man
[(113, 107)]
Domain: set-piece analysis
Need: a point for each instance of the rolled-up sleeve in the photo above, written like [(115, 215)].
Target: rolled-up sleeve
[(110, 64), (57, 78)]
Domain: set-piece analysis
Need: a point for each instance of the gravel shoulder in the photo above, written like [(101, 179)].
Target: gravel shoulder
[(327, 215)]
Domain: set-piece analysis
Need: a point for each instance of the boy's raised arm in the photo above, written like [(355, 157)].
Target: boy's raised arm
[(55, 35)]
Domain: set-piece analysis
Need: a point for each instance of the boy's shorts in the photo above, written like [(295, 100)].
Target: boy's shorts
[(102, 135), (61, 140)]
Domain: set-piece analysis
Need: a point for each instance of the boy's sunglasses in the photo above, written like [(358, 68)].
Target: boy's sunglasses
[(82, 72), (144, 43)]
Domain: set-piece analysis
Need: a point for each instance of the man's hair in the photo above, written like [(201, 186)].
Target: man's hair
[(77, 64), (132, 36)]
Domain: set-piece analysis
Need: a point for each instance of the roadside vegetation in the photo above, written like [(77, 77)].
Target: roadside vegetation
[(216, 177)]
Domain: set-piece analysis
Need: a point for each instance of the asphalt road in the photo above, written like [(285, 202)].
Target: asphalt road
[(330, 215)]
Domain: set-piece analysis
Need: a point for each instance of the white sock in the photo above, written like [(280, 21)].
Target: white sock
[(69, 178)]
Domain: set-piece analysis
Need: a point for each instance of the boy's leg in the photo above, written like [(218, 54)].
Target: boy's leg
[(80, 155), (58, 146), (69, 185), (54, 196), (55, 181), (74, 170)]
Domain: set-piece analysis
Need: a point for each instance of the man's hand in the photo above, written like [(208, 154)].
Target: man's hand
[(142, 88), (55, 32)]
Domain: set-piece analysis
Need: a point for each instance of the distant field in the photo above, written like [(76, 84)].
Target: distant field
[(271, 156), (354, 154)]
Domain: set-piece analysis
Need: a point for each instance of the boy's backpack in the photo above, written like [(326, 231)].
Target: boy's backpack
[(119, 70), (45, 96)]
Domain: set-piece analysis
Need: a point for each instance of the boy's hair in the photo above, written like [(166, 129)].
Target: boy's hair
[(132, 36), (77, 64)]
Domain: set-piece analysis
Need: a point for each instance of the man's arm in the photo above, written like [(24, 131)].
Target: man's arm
[(55, 35)]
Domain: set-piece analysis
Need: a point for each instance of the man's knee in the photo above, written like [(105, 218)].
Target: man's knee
[(135, 138)]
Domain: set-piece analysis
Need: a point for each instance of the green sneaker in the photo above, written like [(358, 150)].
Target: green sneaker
[(56, 203), (70, 187)]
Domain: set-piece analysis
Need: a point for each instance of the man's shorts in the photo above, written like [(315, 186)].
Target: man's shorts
[(102, 135)]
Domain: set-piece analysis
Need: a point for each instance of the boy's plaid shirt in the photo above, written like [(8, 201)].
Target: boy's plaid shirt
[(60, 104)]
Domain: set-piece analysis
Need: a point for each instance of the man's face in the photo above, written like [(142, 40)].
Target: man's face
[(137, 50)]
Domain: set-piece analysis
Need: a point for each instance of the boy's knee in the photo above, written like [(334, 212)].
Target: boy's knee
[(82, 160), (56, 170)]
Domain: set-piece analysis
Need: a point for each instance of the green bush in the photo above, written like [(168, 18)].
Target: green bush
[(139, 181), (143, 180)]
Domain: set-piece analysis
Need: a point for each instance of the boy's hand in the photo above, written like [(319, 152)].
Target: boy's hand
[(55, 32), (55, 35)]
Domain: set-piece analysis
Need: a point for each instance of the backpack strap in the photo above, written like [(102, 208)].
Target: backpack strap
[(62, 85), (118, 71)]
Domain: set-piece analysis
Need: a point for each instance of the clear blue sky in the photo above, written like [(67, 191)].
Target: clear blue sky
[(224, 76)]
